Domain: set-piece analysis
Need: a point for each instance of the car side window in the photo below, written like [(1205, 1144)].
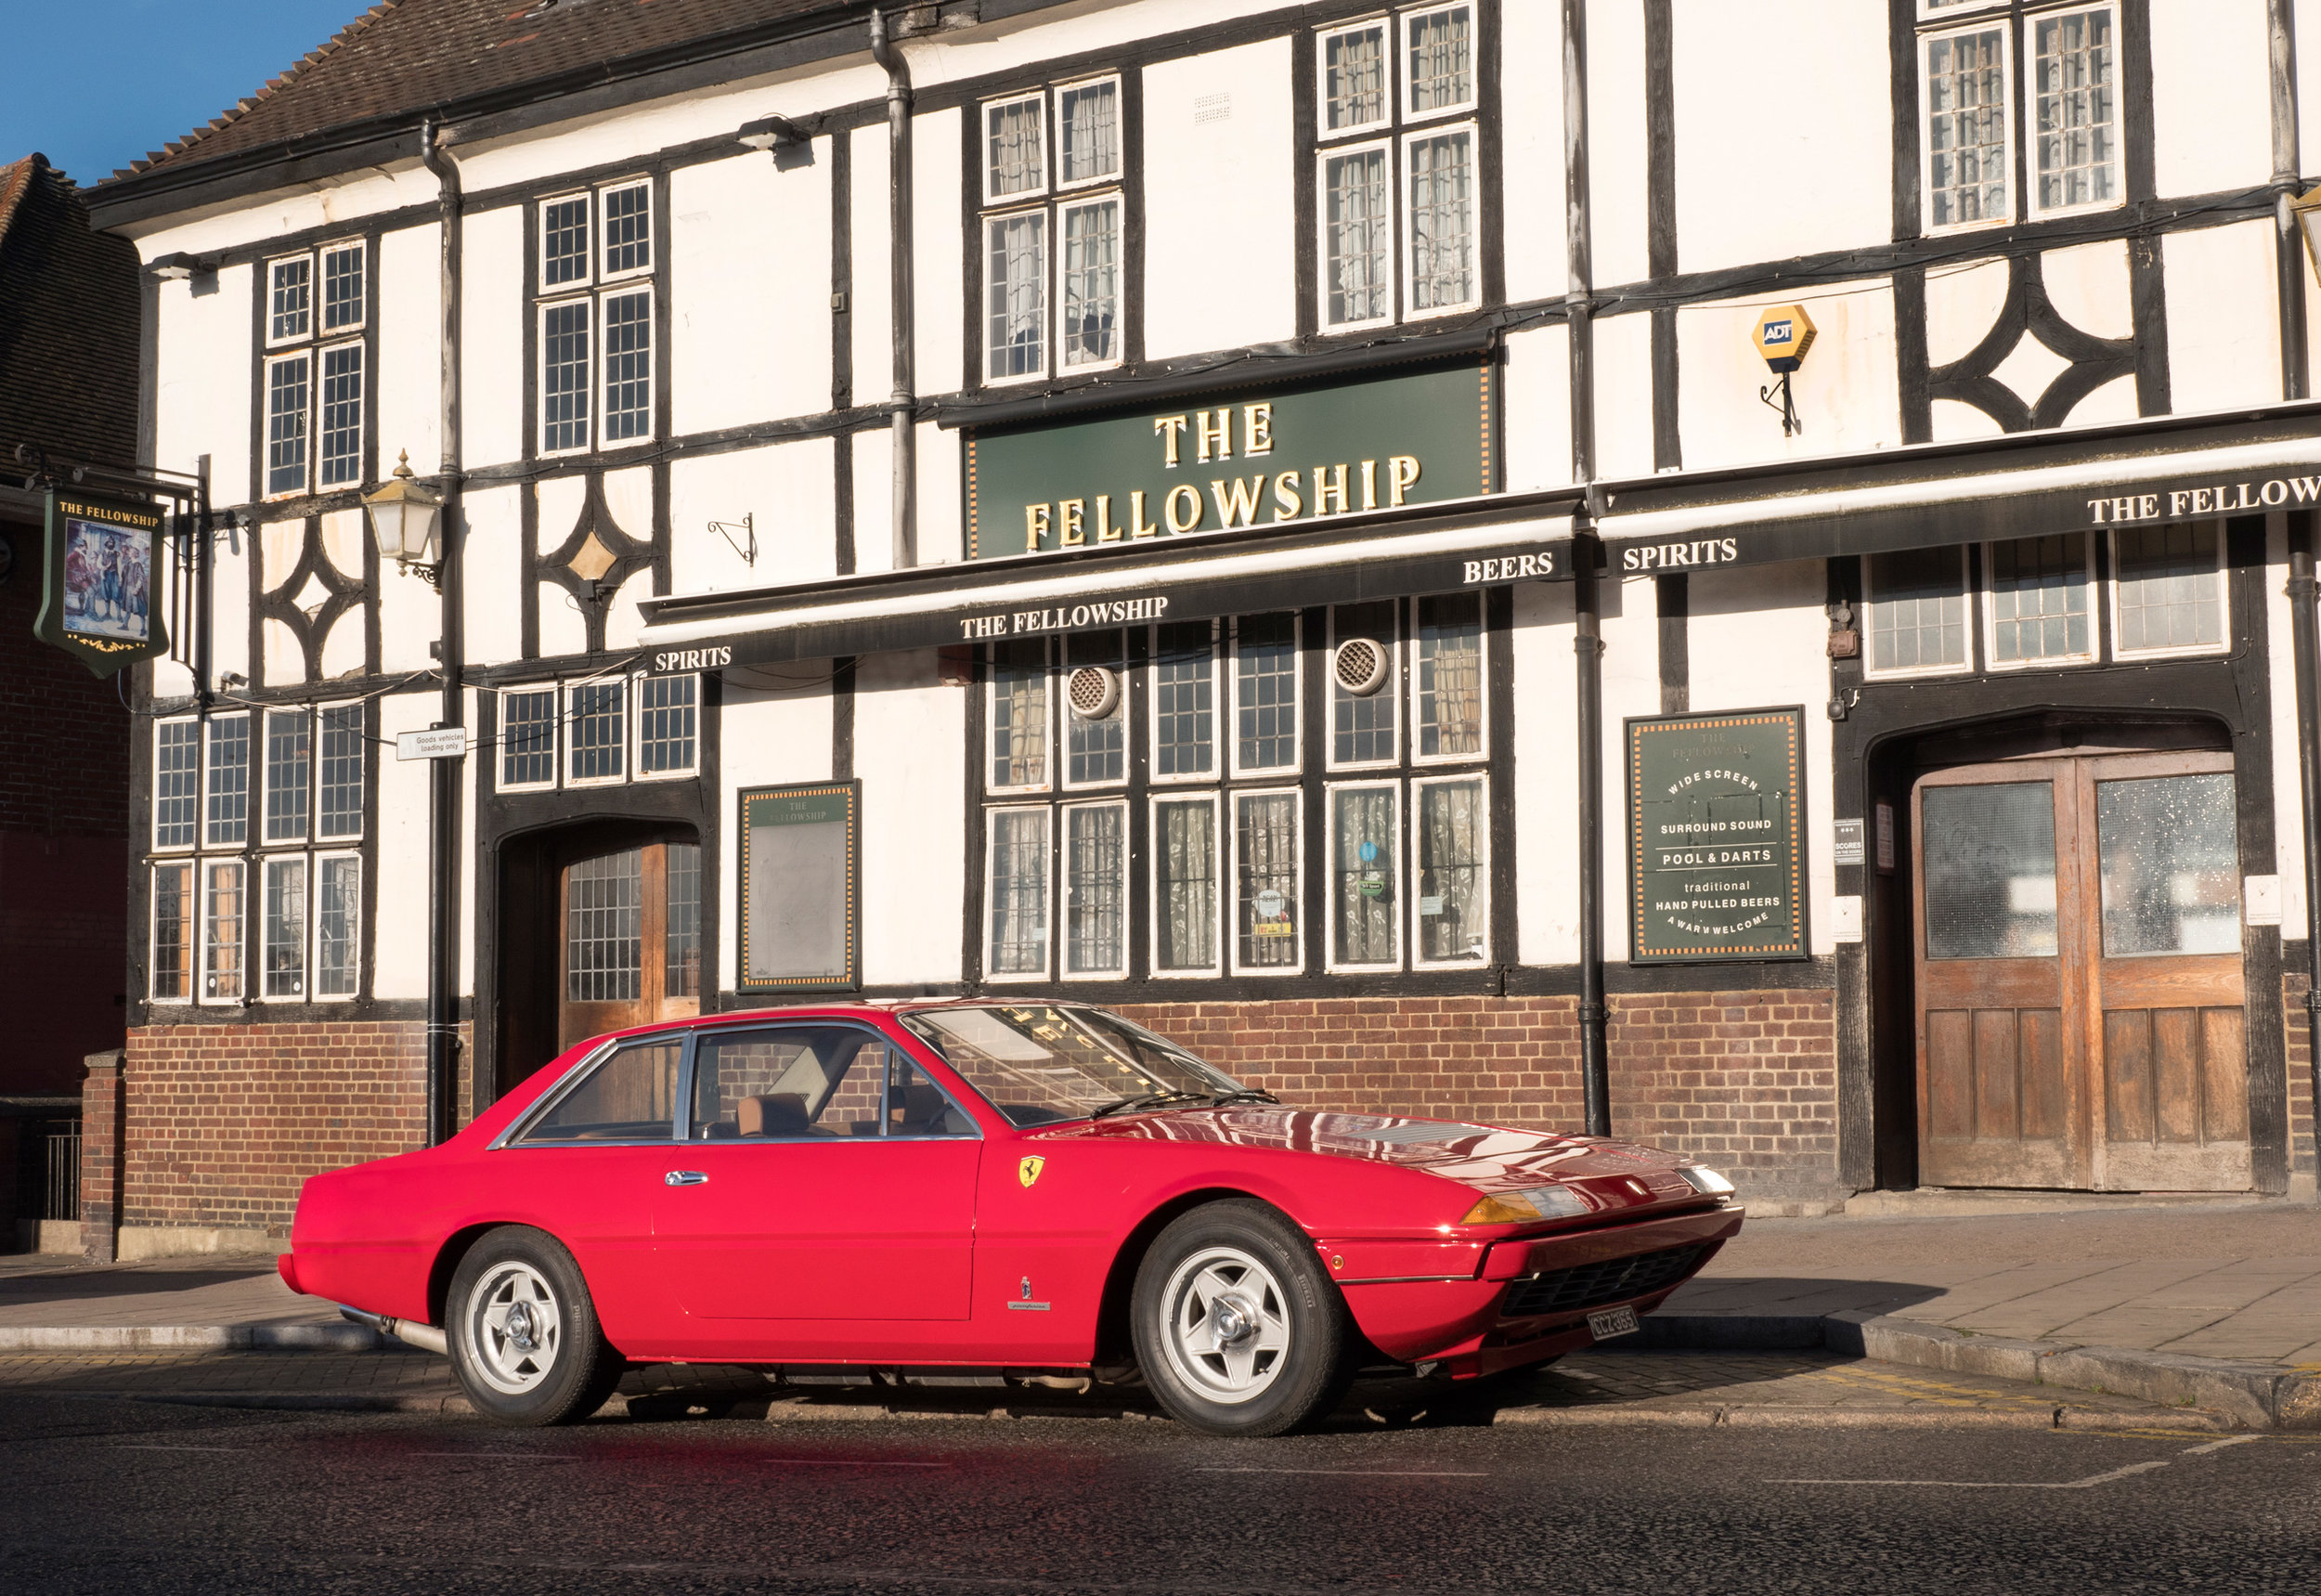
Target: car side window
[(630, 1095), (814, 1082)]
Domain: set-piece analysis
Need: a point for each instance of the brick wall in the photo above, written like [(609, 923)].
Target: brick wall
[(2300, 1071), (1746, 1081), (223, 1122)]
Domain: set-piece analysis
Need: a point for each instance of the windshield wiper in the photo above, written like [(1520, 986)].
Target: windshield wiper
[(1149, 1100), (1242, 1094)]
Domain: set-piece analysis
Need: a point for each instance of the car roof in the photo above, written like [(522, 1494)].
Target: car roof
[(831, 1007)]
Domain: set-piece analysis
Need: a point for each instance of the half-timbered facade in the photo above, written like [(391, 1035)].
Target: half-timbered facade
[(1230, 510)]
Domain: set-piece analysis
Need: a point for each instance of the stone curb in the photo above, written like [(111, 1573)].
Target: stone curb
[(2252, 1395), (196, 1338)]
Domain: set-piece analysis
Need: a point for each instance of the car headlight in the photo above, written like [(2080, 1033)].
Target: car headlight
[(1707, 1182), (1524, 1207)]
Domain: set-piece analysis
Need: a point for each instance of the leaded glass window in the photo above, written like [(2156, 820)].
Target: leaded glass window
[(1092, 282), (1363, 724), (1439, 60), (1184, 884), (1449, 834), (1015, 149), (287, 392), (289, 299), (1183, 702), (627, 229), (288, 768), (1365, 864), (564, 241), (343, 297), (339, 807), (2038, 608), (1266, 909), (1967, 112), (680, 962), (1354, 78), (1016, 336), (566, 368), (283, 972), (2075, 109), (1095, 888), (605, 929), (221, 915), (1357, 279), (1017, 887), (230, 780), (1918, 610), (342, 419), (173, 932), (337, 924), (527, 738), (666, 715), (1019, 714), (1266, 693), (2171, 587), (1096, 748), (1450, 677), (1087, 131), (628, 366), (599, 732), (177, 782), (1441, 179)]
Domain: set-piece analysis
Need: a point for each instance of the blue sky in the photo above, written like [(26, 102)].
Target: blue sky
[(95, 84)]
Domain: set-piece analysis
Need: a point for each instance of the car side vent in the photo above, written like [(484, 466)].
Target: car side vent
[(1361, 665), (1094, 692)]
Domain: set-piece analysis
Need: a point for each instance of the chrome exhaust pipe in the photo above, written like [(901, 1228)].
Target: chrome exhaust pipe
[(427, 1337)]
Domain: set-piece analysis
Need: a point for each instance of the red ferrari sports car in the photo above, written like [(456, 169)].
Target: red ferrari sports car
[(981, 1187)]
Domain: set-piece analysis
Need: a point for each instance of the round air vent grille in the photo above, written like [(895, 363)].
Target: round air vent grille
[(1094, 692), (1361, 665)]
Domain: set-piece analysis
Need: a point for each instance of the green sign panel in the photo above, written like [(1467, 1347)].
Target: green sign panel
[(99, 600), (1260, 457), (1716, 866), (801, 886)]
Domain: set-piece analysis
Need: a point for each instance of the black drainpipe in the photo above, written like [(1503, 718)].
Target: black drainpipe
[(442, 793), (2281, 32), (903, 405), (1587, 629)]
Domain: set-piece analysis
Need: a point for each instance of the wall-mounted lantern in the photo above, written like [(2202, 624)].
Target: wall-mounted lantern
[(403, 516), (2306, 210), (1782, 335)]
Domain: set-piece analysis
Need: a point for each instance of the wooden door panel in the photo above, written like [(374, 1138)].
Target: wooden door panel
[(1949, 1070), (2176, 1088), (1991, 983), (1995, 1095), (2128, 1075), (2184, 981), (2224, 1074), (1998, 1104), (2045, 1091)]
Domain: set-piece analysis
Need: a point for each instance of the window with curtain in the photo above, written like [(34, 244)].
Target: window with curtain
[(1016, 883), (1450, 711), (1184, 884), (1450, 834), (1053, 221), (1365, 916), (2064, 120), (1266, 908), (1018, 714), (1096, 890)]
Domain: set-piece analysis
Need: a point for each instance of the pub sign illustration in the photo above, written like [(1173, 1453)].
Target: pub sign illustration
[(1716, 855), (97, 600)]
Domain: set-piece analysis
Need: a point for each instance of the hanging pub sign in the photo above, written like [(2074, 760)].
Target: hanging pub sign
[(97, 598), (1275, 456), (1717, 862), (801, 887)]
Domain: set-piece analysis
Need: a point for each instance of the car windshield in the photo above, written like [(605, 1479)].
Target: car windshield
[(1038, 1064)]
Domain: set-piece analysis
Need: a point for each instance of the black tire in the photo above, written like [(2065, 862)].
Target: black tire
[(519, 1364), (1219, 1284)]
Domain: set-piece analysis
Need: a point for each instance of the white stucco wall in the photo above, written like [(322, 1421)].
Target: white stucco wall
[(201, 395), (1624, 396), (1538, 377), (2212, 100), (871, 301), (492, 311), (1847, 394), (789, 488), (409, 348), (2224, 325), (1531, 119), (1618, 189), (910, 750), (749, 333), (493, 567), (399, 891), (1631, 686), (774, 727), (1547, 800)]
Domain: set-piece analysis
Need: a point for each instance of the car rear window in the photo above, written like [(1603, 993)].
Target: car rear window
[(629, 1097)]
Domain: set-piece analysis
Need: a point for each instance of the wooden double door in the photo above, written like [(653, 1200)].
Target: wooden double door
[(2080, 1019), (631, 941)]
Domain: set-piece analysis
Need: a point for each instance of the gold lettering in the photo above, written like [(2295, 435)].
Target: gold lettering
[(1328, 488), (1257, 428), (1106, 531), (1172, 428), (1369, 484), (1237, 500), (1035, 522), (1402, 471), (1072, 512), (1137, 525), (1218, 433), (1289, 503), (1187, 493)]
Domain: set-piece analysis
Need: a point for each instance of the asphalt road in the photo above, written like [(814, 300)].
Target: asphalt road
[(104, 1496)]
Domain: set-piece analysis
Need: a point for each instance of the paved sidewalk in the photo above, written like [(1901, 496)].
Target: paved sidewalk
[(37, 1290)]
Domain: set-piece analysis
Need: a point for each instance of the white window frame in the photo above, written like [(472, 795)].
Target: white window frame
[(204, 970), (314, 814), (1406, 220), (314, 299), (1297, 701), (984, 148), (1388, 45), (1392, 691), (1871, 673), (194, 940), (314, 414), (1061, 670), (1331, 960), (1483, 890), (542, 287), (200, 786), (1049, 281), (555, 739), (602, 242), (1232, 893), (1061, 850), (567, 718), (1219, 921), (1055, 133), (1482, 679), (593, 426), (1936, 10), (268, 868), (602, 379), (314, 925), (992, 976), (1474, 64), (1925, 121), (313, 357), (636, 729), (1322, 158), (360, 249), (254, 783), (263, 784), (1221, 719), (2029, 95), (2224, 602), (1051, 743), (1084, 200), (1990, 612)]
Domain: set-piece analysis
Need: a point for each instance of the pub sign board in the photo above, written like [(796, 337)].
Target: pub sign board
[(97, 598), (1716, 861), (1257, 458), (801, 887)]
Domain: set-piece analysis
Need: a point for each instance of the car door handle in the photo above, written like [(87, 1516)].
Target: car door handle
[(684, 1177)]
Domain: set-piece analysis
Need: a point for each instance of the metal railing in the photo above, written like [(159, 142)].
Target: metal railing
[(63, 1184)]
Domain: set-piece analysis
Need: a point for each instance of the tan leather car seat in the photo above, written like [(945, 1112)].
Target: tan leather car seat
[(775, 1115)]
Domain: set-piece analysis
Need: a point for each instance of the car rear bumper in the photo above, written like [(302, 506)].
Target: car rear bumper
[(1532, 1297)]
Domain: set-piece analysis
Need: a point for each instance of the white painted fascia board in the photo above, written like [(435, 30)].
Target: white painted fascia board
[(1088, 586), (1817, 504)]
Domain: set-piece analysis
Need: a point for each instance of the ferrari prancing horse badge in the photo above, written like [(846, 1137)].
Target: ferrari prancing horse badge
[(1029, 1170)]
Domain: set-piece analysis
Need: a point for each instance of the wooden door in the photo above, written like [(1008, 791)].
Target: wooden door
[(2079, 986), (629, 952)]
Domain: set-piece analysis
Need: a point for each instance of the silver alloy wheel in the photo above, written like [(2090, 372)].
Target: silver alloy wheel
[(1226, 1324), (513, 1328)]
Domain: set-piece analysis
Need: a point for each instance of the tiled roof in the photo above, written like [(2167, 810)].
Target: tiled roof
[(68, 324), (404, 57)]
